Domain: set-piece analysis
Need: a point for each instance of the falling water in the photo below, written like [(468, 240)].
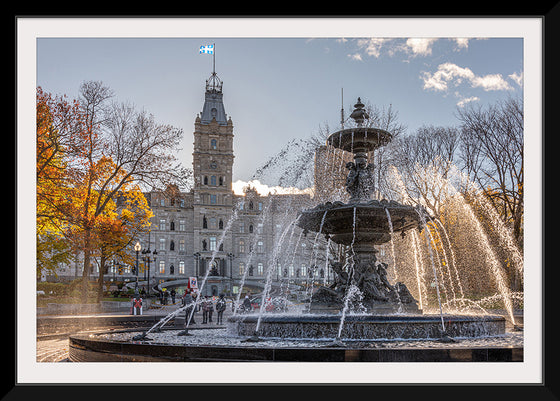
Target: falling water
[(493, 261), (268, 283), (312, 263), (171, 315), (452, 257), (220, 242), (250, 258), (350, 271), (433, 266), (392, 243), (419, 265)]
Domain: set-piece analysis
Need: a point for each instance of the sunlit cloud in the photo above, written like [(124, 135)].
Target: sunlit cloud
[(420, 46), (239, 187), (451, 74)]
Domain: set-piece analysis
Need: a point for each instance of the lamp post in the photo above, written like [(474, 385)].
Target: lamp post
[(137, 248), (147, 259)]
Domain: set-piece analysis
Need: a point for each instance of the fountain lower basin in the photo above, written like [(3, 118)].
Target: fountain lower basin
[(367, 327)]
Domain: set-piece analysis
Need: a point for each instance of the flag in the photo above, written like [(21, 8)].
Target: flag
[(208, 49)]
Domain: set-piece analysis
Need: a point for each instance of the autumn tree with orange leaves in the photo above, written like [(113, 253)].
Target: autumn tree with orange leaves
[(113, 151)]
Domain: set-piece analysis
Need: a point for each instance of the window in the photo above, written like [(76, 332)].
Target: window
[(162, 224), (162, 202), (260, 247), (182, 225), (212, 243), (221, 224), (242, 227), (213, 223), (241, 246), (260, 269), (182, 202), (213, 199), (182, 245), (291, 270), (250, 228), (260, 205), (241, 268), (162, 267), (260, 228), (303, 269), (213, 180), (181, 267), (162, 244), (214, 144), (171, 269)]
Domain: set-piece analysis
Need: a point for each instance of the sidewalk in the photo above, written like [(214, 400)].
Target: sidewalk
[(72, 323)]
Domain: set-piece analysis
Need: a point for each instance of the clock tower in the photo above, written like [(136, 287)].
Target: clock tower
[(213, 195)]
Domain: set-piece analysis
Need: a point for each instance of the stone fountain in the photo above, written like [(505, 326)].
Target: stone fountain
[(361, 224)]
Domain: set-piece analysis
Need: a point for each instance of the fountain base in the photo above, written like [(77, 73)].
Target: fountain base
[(367, 327)]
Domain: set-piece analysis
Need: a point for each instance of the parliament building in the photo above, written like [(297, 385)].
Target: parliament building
[(234, 241)]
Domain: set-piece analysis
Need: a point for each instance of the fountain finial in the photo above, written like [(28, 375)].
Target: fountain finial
[(359, 114)]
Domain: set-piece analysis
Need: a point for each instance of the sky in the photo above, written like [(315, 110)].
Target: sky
[(280, 88)]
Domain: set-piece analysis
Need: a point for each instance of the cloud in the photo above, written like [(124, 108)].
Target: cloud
[(372, 46), (449, 73), (420, 46), (517, 78), (264, 190), (464, 101), (355, 56), (461, 43)]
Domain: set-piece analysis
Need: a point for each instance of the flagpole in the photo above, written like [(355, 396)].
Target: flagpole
[(214, 58)]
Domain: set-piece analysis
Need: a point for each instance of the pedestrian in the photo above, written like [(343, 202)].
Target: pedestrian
[(246, 304), (205, 310), (220, 308), (210, 309), (188, 303), (165, 296), (173, 293)]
